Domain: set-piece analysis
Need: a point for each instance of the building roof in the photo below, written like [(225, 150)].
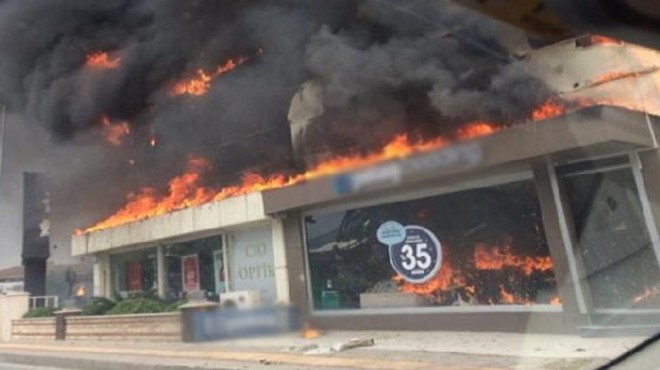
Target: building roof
[(591, 131), (205, 219), (15, 272)]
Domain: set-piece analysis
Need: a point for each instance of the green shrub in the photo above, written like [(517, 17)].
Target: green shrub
[(98, 306), (117, 297), (174, 306), (40, 312), (137, 305)]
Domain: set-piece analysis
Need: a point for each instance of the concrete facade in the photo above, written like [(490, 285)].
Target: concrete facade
[(42, 328), (12, 306), (165, 327), (230, 217)]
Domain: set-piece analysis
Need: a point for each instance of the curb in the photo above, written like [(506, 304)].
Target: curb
[(78, 357), (79, 363)]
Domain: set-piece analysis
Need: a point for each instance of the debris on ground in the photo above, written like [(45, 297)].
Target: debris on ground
[(301, 349), (340, 347)]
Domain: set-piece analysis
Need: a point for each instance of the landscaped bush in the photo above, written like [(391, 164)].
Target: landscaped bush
[(98, 306), (40, 312), (174, 306), (137, 305)]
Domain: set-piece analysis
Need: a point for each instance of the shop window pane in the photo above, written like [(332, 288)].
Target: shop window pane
[(613, 240), (204, 258), (134, 273), (493, 252)]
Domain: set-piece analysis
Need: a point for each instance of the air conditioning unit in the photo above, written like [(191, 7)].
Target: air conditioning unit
[(240, 299)]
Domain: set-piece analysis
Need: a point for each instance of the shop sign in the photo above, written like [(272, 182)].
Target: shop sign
[(415, 252), (250, 262), (134, 276), (190, 273)]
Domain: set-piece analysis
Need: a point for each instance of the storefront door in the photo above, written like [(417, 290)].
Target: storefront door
[(614, 235)]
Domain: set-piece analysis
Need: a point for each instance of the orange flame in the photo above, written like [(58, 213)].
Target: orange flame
[(101, 60), (550, 109), (498, 258), (442, 281), (114, 132), (80, 292), (200, 84), (475, 129), (603, 40), (452, 279), (185, 191)]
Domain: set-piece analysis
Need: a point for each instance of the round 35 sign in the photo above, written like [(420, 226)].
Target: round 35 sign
[(415, 253)]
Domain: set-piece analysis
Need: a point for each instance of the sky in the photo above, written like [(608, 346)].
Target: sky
[(28, 148)]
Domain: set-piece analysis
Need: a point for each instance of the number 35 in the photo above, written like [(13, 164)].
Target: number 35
[(419, 257)]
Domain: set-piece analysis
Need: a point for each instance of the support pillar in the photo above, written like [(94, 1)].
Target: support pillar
[(161, 270), (101, 276), (280, 263)]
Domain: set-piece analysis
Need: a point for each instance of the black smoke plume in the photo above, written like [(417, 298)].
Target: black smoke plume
[(379, 67)]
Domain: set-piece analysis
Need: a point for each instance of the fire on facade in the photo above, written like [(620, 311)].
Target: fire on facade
[(517, 266)]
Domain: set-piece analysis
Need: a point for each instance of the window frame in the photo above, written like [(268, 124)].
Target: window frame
[(490, 181)]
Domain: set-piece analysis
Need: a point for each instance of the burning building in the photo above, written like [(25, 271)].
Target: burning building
[(544, 224), (395, 164)]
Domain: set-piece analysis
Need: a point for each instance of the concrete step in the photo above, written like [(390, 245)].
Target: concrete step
[(593, 331)]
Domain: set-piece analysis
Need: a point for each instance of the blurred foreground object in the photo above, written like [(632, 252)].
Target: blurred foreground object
[(636, 21)]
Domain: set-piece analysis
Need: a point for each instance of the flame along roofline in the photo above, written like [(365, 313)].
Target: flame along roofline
[(204, 219), (595, 130), (583, 133)]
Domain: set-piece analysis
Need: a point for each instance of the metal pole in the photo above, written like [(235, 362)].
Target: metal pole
[(2, 134)]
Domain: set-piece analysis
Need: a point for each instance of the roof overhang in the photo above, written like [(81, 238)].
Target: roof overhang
[(588, 132), (198, 221)]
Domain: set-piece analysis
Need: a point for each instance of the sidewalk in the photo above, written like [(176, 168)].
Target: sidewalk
[(391, 350)]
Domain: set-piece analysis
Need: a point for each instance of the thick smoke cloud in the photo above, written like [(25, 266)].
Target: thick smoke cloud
[(421, 67), (382, 67)]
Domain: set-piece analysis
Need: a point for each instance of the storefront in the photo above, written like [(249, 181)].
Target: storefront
[(216, 248), (544, 228)]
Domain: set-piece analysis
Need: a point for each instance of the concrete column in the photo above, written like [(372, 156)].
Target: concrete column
[(296, 262), (280, 263), (161, 270), (649, 163), (558, 233), (12, 306), (102, 286)]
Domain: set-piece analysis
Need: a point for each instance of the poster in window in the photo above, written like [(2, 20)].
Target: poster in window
[(134, 276), (219, 271), (415, 252), (190, 273)]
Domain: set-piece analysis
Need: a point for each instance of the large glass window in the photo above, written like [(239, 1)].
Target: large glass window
[(492, 251), (134, 273), (614, 243), (196, 265)]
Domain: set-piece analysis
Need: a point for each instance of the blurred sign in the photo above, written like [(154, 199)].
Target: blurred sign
[(452, 159), (217, 323), (415, 252), (190, 273)]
